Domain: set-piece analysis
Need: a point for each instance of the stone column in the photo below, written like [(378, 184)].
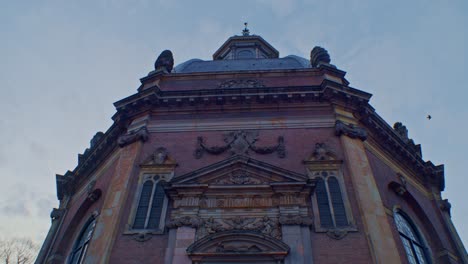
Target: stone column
[(115, 196), (376, 226), (184, 237)]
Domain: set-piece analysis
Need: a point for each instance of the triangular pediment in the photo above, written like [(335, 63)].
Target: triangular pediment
[(240, 170)]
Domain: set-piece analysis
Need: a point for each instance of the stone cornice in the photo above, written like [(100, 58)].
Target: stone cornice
[(153, 97), (403, 152), (88, 162)]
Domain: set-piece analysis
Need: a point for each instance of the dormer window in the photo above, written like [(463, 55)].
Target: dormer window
[(245, 47), (246, 54)]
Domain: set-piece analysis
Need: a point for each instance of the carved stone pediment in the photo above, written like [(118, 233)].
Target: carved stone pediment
[(240, 182), (240, 170)]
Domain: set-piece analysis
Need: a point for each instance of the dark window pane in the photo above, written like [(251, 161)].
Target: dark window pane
[(323, 205), (420, 254), (143, 204), (337, 202), (156, 207), (81, 244), (411, 241)]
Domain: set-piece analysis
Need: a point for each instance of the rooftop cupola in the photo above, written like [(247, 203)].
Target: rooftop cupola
[(245, 47)]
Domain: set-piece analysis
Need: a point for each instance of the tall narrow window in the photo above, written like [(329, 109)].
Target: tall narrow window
[(411, 240), (150, 205), (331, 209), (81, 244)]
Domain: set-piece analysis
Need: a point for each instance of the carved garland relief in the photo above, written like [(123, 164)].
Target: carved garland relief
[(239, 143)]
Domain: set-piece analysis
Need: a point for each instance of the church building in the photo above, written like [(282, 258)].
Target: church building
[(251, 158)]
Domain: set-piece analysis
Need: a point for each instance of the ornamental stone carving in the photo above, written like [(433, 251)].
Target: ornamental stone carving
[(239, 177), (56, 214), (165, 62), (158, 157), (191, 221), (140, 134), (337, 234), (445, 206), (241, 84), (239, 143), (264, 225), (237, 248), (142, 237), (350, 130), (319, 56)]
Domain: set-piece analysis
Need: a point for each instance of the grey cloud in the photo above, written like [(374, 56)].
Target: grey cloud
[(17, 208)]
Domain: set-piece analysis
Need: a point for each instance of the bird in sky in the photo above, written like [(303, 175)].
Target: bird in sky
[(429, 117)]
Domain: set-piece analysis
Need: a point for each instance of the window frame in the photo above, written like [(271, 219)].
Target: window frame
[(418, 240), (78, 239), (156, 178), (337, 174)]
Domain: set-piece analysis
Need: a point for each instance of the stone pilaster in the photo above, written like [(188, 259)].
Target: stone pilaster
[(298, 239), (111, 213), (184, 237), (376, 225), (170, 246)]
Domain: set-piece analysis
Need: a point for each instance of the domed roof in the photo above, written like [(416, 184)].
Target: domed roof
[(286, 63)]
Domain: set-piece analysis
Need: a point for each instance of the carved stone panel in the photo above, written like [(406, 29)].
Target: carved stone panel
[(264, 225), (240, 143)]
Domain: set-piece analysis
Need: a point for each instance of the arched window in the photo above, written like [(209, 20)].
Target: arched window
[(411, 240), (82, 242), (150, 205), (330, 203)]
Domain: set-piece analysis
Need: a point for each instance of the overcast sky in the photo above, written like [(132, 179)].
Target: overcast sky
[(63, 64)]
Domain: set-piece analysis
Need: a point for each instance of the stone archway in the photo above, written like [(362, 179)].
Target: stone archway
[(238, 247)]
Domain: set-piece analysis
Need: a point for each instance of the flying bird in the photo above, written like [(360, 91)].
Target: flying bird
[(429, 117)]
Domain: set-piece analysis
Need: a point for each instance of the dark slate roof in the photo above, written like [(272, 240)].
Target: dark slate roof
[(286, 63)]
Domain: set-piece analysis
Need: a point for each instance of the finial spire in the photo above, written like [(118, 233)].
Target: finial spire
[(246, 31)]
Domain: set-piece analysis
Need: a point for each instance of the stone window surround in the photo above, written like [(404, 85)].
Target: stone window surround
[(339, 176), (92, 220), (416, 229), (143, 177)]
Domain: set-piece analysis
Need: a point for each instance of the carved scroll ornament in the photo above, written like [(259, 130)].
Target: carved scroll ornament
[(350, 130), (140, 134), (240, 142)]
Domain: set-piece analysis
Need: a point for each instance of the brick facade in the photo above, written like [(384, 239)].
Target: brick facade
[(237, 152)]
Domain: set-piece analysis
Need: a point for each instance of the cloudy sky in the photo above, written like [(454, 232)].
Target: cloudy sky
[(65, 62)]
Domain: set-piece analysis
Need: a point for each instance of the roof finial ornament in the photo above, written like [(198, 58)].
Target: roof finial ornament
[(246, 31), (319, 56)]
